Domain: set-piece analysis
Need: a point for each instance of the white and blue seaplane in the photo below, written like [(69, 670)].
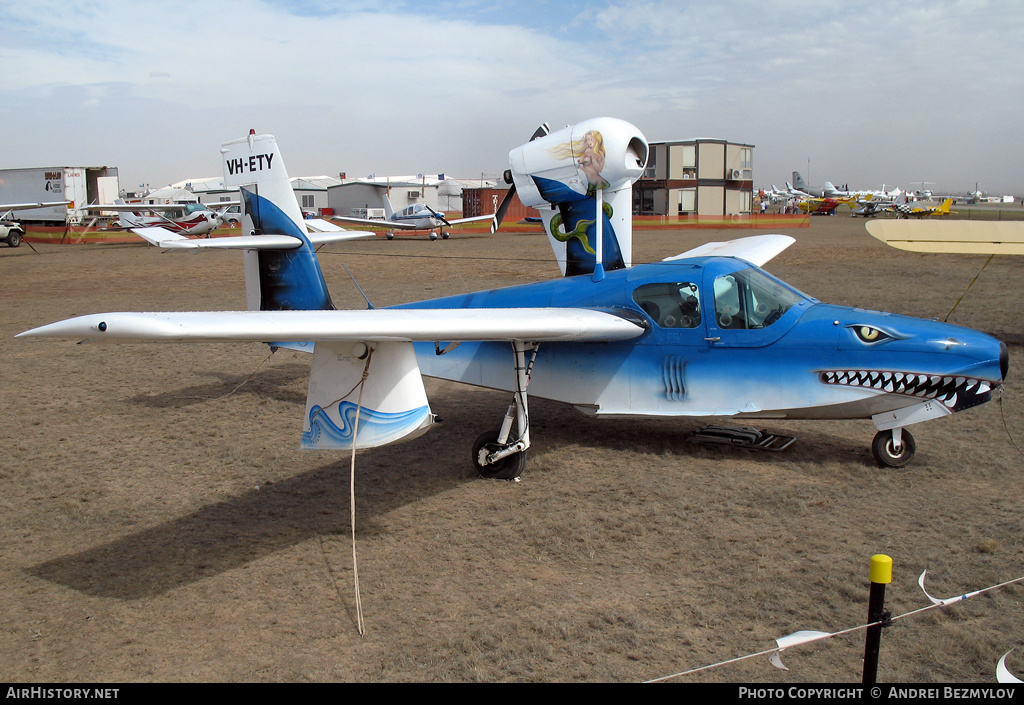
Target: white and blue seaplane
[(707, 333)]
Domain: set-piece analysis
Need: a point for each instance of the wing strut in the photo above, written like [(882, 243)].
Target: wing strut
[(496, 453)]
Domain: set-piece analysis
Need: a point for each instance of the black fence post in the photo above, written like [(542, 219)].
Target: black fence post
[(880, 576)]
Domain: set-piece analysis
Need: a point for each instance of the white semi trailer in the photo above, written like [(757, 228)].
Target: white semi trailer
[(81, 185)]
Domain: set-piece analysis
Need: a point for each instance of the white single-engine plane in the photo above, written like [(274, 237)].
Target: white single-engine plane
[(705, 333), (182, 218), (418, 216)]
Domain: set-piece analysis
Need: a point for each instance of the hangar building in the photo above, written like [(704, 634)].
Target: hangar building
[(696, 177)]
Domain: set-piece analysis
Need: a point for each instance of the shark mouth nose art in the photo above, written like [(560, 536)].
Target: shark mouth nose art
[(956, 393)]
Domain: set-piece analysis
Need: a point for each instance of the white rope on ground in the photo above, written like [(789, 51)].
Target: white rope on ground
[(820, 636), (352, 498)]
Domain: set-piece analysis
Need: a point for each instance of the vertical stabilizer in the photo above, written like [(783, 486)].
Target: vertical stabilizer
[(275, 280)]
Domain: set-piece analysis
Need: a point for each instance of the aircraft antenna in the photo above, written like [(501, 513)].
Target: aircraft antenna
[(368, 304)]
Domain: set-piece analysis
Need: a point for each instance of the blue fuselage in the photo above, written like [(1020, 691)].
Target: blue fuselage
[(726, 338)]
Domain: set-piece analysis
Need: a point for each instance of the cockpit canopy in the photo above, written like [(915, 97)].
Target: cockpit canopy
[(743, 299)]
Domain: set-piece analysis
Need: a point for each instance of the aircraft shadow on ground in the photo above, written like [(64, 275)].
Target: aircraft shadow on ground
[(226, 535), (229, 534), (281, 383), (554, 425)]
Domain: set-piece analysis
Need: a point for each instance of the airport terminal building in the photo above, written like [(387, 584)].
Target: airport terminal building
[(697, 177)]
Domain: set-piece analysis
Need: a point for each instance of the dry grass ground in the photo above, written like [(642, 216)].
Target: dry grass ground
[(159, 522)]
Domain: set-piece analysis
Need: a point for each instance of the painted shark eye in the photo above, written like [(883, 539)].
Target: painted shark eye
[(870, 334)]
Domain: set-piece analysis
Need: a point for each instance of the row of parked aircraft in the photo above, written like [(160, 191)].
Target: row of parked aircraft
[(866, 203)]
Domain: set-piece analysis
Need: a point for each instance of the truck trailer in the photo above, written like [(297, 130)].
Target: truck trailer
[(81, 185)]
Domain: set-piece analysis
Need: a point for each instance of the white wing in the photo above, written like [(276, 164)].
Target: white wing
[(472, 219), (948, 236), (391, 224), (757, 249), (449, 325), (29, 206)]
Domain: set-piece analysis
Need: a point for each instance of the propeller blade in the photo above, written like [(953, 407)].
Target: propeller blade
[(541, 132), (439, 216), (499, 215)]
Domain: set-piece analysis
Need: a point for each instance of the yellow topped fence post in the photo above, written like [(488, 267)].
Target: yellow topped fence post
[(880, 576)]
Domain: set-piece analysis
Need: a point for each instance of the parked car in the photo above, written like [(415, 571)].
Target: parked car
[(11, 232)]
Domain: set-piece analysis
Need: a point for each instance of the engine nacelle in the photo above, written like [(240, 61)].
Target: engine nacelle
[(569, 175), (605, 153)]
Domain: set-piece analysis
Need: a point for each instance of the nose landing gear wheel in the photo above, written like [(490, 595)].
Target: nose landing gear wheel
[(887, 455), (508, 468)]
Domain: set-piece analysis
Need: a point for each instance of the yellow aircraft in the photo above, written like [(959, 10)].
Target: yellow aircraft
[(905, 210)]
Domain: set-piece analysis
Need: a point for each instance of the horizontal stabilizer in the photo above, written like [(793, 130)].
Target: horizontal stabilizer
[(174, 241), (757, 249), (319, 225), (340, 235), (417, 325), (951, 236)]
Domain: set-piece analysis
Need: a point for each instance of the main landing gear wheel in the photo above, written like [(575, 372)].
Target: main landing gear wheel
[(887, 455), (508, 468)]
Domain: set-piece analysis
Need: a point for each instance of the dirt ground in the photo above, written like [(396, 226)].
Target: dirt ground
[(159, 522)]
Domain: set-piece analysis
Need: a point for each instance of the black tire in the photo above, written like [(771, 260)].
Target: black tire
[(391, 236), (888, 457), (444, 235), (13, 238), (508, 468)]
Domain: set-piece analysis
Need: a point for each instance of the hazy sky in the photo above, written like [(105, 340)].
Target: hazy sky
[(857, 93)]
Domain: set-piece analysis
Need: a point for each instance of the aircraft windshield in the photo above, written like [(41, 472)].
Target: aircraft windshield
[(671, 305), (751, 299)]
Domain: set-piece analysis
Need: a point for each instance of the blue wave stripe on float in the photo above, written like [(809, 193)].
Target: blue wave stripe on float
[(375, 428)]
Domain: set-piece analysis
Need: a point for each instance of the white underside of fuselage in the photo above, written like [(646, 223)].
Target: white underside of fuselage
[(612, 387)]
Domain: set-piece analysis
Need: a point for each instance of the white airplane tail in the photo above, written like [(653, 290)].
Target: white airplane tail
[(388, 210), (127, 219), (380, 379), (275, 279)]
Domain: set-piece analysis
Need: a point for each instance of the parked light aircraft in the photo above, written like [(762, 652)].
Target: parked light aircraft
[(820, 206), (906, 210), (872, 207), (185, 218), (418, 216), (704, 333)]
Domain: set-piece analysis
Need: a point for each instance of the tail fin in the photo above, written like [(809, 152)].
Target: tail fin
[(798, 180), (275, 279), (388, 210), (944, 208), (127, 219)]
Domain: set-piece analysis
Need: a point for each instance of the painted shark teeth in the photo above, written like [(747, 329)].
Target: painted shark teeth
[(955, 393)]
